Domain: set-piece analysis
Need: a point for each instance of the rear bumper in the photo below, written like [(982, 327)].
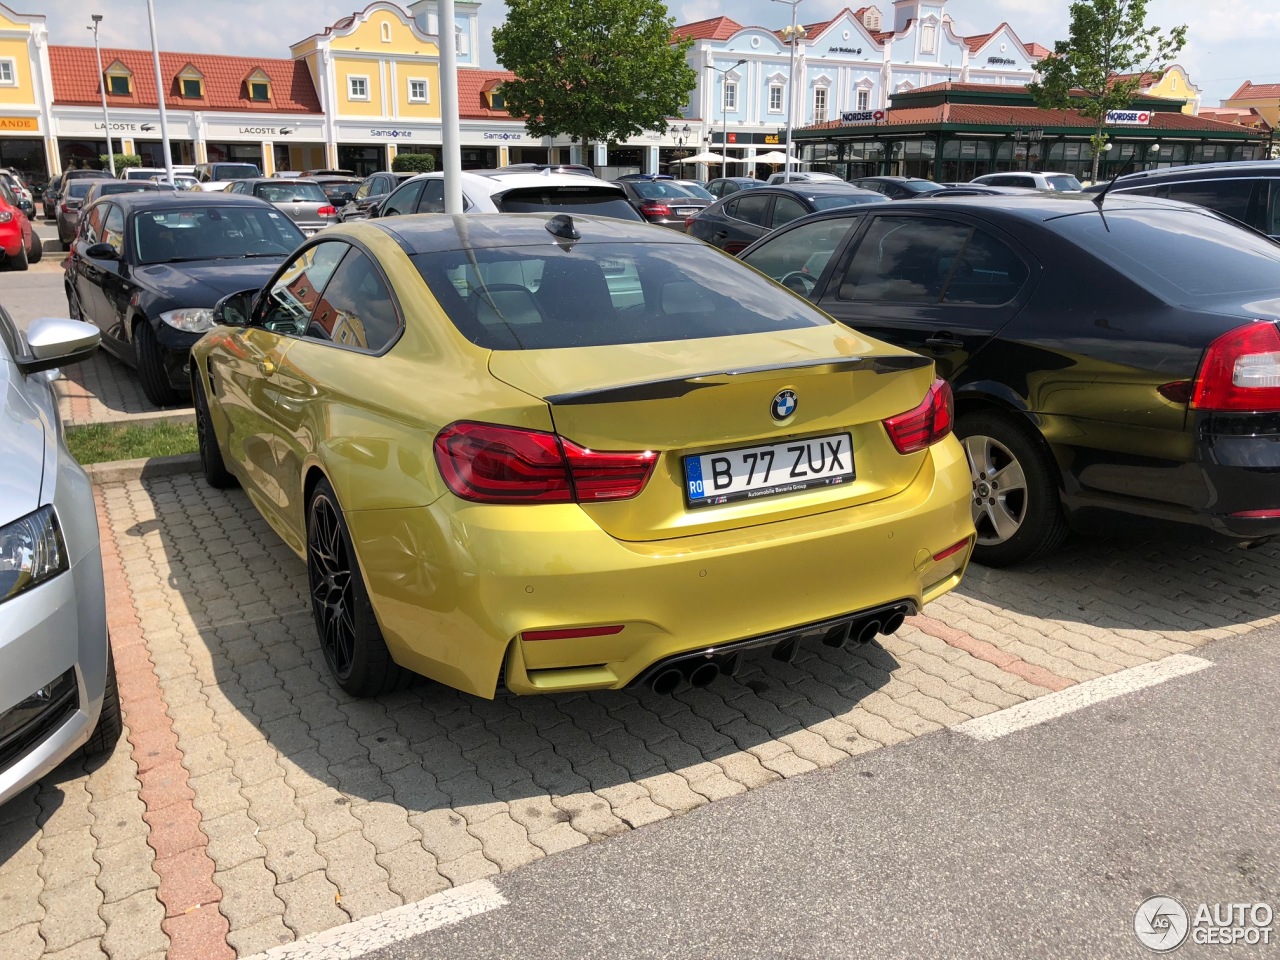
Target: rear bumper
[(455, 585), (11, 239)]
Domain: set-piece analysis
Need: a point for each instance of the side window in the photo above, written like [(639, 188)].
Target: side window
[(1022, 182), (91, 226), (1271, 225), (805, 250), (752, 208), (357, 309), (365, 189), (786, 209), (904, 260), (988, 273), (404, 200), (1226, 196), (113, 228), (432, 200), (287, 307)]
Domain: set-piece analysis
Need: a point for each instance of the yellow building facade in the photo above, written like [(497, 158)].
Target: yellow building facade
[(25, 91)]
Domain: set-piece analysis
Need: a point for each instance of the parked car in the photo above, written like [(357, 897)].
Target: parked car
[(804, 176), (58, 185), (107, 188), (339, 190), (723, 186), (740, 219), (141, 173), (302, 201), (976, 190), (373, 189), (664, 202), (696, 187), (21, 195), (69, 207), (1091, 375), (147, 268), (594, 408), (57, 681), (1247, 191), (898, 188), (19, 243), (181, 181), (350, 174), (214, 177), (503, 191), (1034, 179), (581, 168)]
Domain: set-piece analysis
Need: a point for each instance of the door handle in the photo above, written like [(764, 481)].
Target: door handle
[(942, 340), (267, 367), (721, 234)]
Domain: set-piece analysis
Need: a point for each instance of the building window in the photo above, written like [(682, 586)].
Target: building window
[(864, 99), (118, 84), (193, 89), (8, 73), (386, 31), (497, 101), (820, 105), (358, 88), (730, 100), (775, 98), (928, 37), (418, 91), (461, 44), (259, 90)]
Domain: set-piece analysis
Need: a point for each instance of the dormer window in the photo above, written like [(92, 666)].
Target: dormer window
[(258, 87), (118, 80), (191, 83), (386, 31)]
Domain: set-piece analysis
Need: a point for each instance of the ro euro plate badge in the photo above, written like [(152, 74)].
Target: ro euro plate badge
[(768, 470)]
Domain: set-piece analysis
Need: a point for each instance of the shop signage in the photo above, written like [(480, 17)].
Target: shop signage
[(1129, 118), (863, 116), (27, 124), (1001, 62), (853, 50), (395, 133), (508, 135), (772, 138)]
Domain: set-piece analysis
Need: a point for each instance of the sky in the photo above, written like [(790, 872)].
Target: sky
[(1229, 41)]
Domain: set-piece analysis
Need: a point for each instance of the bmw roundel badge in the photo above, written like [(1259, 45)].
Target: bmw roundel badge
[(784, 405)]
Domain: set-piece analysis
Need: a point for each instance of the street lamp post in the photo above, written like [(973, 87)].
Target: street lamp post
[(724, 108), (102, 85), (792, 34), (1031, 136), (681, 135)]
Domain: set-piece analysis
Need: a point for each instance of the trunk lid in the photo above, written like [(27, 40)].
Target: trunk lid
[(693, 397)]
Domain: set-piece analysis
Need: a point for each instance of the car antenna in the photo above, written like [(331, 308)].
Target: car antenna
[(562, 226), (1102, 194)]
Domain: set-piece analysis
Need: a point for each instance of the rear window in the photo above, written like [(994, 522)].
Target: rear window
[(78, 188), (291, 192), (235, 171), (124, 186), (595, 294), (1063, 183), (579, 201), (1180, 255), (832, 201)]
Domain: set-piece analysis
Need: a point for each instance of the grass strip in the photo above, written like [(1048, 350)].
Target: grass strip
[(102, 442)]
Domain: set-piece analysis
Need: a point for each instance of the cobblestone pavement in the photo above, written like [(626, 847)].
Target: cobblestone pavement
[(104, 389), (251, 802)]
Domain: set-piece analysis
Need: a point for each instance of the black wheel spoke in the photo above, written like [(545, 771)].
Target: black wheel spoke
[(332, 596)]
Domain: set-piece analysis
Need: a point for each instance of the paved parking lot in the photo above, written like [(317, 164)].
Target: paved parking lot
[(251, 802)]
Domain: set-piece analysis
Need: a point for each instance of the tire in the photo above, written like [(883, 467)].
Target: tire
[(19, 260), (216, 473), (1016, 508), (73, 305), (349, 635), (155, 382), (107, 732), (37, 248)]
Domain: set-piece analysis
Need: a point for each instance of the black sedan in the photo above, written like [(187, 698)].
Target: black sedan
[(374, 189), (662, 201), (148, 267), (1122, 357), (899, 188), (721, 187), (735, 222)]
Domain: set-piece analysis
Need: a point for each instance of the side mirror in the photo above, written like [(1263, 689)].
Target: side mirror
[(374, 210), (234, 309), (348, 197), (102, 251), (56, 341)]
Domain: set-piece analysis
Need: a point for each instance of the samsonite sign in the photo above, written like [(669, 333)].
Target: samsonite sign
[(1129, 118)]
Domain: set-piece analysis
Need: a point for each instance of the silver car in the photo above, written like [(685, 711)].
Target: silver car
[(302, 201), (57, 680)]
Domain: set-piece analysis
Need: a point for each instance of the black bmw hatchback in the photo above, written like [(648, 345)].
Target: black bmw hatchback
[(147, 269), (1115, 357)]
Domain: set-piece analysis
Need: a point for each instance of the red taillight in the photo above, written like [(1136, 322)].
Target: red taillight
[(327, 212), (488, 463), (1241, 371), (927, 423), (65, 208), (651, 209)]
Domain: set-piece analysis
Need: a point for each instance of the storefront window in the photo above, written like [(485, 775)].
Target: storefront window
[(962, 160)]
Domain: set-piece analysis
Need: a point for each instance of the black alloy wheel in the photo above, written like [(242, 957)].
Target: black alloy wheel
[(215, 469), (150, 359)]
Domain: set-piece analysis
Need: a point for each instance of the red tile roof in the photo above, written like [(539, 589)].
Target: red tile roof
[(1038, 50), (717, 28), (1241, 116), (1257, 91), (1004, 117), (472, 85), (979, 40), (76, 83)]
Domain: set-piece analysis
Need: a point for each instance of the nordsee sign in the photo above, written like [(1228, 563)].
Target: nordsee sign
[(1129, 118), (863, 116)]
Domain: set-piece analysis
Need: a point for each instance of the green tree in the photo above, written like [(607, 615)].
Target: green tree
[(1100, 66), (599, 71), (413, 163)]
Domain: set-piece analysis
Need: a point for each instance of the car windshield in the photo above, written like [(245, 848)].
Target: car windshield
[(546, 297), (697, 190), (211, 232), (1183, 256), (336, 191), (831, 201), (235, 171), (580, 201), (1064, 183), (291, 192)]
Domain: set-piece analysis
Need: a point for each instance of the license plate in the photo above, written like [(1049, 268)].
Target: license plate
[(685, 211), (768, 470)]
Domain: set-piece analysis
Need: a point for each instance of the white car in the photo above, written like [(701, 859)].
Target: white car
[(214, 177), (57, 681), (505, 191), (1035, 179), (805, 176)]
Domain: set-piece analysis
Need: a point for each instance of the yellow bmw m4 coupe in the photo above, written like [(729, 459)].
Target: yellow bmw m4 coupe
[(573, 453)]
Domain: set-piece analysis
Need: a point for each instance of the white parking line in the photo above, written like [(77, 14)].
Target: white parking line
[(1057, 704), (361, 937)]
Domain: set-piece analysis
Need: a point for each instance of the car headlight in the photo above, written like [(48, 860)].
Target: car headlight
[(190, 319), (5, 216), (31, 551)]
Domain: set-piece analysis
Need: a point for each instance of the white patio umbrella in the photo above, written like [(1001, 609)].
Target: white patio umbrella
[(773, 158), (704, 157)]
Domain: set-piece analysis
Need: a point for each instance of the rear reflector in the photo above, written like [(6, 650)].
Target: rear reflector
[(1241, 371), (951, 550), (1257, 514), (926, 424), (574, 634)]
